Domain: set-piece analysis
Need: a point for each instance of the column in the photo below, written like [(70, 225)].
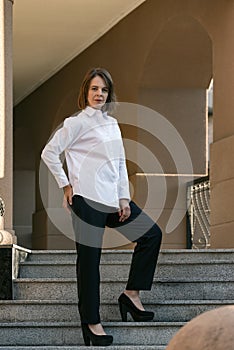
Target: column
[(6, 139), (222, 149)]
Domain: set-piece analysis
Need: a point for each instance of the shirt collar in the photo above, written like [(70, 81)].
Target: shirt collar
[(92, 111)]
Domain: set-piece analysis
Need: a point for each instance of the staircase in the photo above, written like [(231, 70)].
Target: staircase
[(43, 314)]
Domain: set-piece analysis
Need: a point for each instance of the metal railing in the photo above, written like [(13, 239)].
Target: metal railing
[(198, 223), (2, 207)]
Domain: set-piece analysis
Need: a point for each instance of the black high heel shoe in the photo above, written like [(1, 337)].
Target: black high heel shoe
[(97, 340), (126, 305)]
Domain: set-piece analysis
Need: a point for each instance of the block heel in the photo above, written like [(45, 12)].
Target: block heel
[(96, 340), (126, 305), (123, 311)]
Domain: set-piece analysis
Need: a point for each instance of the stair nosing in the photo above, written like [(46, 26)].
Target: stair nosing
[(77, 324), (158, 302), (162, 251), (120, 280), (81, 347), (120, 262)]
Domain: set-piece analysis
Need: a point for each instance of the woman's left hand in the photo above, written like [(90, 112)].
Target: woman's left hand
[(124, 210)]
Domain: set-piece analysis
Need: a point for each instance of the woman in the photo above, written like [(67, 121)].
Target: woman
[(97, 191)]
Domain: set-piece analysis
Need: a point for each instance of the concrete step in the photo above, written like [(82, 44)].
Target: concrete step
[(63, 311), (66, 289), (66, 347), (193, 271), (44, 315), (61, 347), (167, 255), (124, 333), (206, 265)]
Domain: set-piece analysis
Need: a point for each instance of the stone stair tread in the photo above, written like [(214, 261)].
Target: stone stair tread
[(67, 347), (77, 324), (69, 333), (157, 302), (32, 263), (120, 262), (122, 279), (119, 270), (181, 255), (198, 289), (60, 289), (67, 311), (127, 251)]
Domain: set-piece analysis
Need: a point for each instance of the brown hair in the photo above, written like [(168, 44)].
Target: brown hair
[(83, 94)]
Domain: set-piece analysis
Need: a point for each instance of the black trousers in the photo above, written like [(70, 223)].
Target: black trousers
[(89, 221)]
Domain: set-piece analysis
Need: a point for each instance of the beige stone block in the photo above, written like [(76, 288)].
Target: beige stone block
[(222, 202), (39, 242), (39, 228), (174, 240), (222, 236), (177, 238), (59, 242), (185, 110), (223, 57), (222, 165), (24, 236), (24, 197), (172, 246), (127, 246), (47, 236), (159, 192), (53, 242), (113, 239), (54, 221)]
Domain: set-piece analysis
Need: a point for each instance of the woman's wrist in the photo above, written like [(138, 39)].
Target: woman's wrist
[(124, 201), (67, 187)]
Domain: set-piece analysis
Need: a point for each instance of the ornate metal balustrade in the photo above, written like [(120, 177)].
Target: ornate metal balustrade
[(2, 207), (198, 196)]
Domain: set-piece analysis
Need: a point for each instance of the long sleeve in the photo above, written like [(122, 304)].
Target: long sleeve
[(52, 151), (123, 185)]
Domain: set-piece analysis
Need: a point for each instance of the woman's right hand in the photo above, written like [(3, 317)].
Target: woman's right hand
[(67, 198)]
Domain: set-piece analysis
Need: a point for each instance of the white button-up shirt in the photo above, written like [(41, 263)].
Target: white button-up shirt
[(94, 154)]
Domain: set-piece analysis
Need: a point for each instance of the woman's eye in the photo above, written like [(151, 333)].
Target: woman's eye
[(95, 88)]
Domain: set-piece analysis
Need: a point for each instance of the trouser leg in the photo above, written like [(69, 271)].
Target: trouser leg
[(140, 228), (88, 282), (89, 226), (144, 260)]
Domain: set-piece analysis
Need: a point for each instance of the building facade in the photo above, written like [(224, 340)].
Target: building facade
[(162, 56)]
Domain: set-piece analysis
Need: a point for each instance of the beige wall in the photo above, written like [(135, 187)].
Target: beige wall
[(162, 55), (24, 183)]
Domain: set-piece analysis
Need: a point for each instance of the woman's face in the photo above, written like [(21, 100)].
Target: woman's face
[(98, 93)]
